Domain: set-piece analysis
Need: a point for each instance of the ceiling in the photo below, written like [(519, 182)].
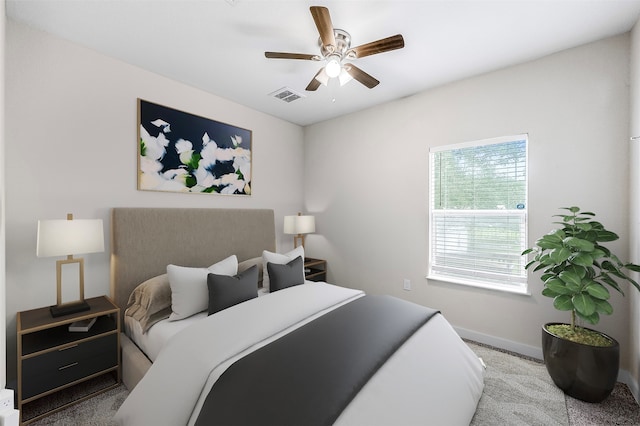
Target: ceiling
[(218, 45)]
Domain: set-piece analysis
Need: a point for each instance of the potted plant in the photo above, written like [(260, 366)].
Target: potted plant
[(577, 272)]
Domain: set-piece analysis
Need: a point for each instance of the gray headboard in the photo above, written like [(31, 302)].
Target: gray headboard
[(145, 240)]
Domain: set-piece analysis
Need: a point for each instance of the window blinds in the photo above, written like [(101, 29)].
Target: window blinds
[(478, 213)]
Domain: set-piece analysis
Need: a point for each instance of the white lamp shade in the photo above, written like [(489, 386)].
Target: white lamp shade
[(306, 224), (299, 224), (69, 237), (290, 224)]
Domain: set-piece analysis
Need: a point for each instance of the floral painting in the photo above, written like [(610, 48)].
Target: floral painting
[(181, 152)]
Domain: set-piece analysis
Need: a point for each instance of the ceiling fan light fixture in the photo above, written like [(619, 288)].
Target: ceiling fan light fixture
[(322, 77), (344, 77), (333, 66), (335, 47)]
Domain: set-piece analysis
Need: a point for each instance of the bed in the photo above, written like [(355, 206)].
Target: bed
[(275, 357)]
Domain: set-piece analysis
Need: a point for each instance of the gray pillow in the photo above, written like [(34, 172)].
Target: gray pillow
[(226, 291), (287, 275)]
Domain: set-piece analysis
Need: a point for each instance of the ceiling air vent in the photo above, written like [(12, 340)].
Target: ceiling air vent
[(286, 94)]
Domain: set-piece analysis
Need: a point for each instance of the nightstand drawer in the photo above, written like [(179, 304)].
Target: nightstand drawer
[(57, 368), (52, 359)]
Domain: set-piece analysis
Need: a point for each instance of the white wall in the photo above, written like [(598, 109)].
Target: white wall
[(71, 146), (3, 307), (371, 204), (634, 223)]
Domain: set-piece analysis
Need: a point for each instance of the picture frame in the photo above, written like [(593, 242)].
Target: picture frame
[(183, 152)]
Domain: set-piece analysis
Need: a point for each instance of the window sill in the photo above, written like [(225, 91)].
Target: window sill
[(475, 284)]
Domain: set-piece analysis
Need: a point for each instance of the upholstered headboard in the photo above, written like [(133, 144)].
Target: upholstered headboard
[(145, 240)]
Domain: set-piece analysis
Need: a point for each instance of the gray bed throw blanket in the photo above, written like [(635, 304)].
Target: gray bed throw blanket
[(310, 375)]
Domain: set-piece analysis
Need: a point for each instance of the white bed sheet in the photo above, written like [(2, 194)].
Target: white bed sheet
[(151, 342), (434, 378)]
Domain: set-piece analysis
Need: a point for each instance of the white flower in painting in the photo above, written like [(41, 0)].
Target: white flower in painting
[(183, 146), (166, 127), (202, 174), (236, 140), (150, 181), (208, 153), (155, 147), (243, 164), (184, 149), (150, 177), (208, 159), (171, 180), (177, 175), (172, 185), (204, 178), (231, 183), (225, 154), (206, 139), (149, 165)]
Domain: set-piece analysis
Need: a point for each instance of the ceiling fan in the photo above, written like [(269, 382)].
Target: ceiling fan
[(335, 48)]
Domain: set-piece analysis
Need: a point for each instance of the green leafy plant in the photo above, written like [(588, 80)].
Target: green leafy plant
[(577, 268)]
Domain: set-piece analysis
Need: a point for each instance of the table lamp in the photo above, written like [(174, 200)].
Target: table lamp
[(299, 226), (66, 238)]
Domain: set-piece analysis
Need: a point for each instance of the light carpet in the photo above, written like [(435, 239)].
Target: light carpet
[(518, 391)]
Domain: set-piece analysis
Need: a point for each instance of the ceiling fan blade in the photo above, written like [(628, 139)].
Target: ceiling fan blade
[(284, 55), (314, 83), (379, 46), (323, 22), (361, 76)]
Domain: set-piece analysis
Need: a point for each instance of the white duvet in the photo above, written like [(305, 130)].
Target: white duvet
[(434, 378)]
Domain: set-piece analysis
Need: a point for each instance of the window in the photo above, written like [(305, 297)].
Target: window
[(478, 213)]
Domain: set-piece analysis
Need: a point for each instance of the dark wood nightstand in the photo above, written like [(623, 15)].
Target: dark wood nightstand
[(52, 358), (315, 269)]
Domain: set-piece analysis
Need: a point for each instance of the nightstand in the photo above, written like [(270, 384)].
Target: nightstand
[(315, 269), (51, 358)]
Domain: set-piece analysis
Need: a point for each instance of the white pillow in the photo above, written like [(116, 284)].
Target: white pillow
[(189, 292), (278, 259)]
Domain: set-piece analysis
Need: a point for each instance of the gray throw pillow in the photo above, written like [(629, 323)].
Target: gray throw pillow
[(226, 291), (287, 275)]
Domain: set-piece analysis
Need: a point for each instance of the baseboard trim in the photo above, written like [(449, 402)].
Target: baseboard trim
[(534, 352), (498, 342)]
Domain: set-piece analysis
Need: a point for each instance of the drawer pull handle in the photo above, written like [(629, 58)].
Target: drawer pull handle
[(73, 364), (68, 347)]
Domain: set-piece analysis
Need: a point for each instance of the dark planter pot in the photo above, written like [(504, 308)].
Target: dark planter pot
[(585, 372)]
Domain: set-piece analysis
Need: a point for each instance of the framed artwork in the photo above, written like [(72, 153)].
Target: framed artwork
[(182, 152)]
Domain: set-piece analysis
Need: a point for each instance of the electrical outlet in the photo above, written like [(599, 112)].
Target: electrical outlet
[(407, 284), (6, 399)]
